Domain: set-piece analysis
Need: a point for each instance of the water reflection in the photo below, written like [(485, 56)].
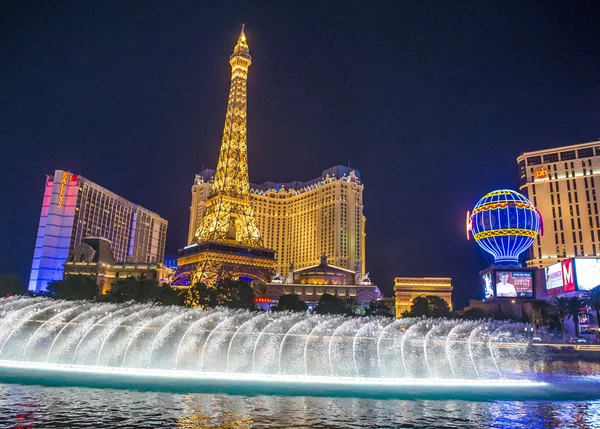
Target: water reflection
[(76, 407)]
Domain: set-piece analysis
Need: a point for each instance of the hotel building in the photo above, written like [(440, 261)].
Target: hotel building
[(562, 183), (74, 208), (93, 258), (302, 221)]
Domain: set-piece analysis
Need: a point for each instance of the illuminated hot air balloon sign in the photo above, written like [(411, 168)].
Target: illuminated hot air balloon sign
[(504, 223)]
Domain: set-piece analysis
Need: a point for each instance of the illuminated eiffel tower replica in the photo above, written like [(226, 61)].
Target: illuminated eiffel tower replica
[(228, 243)]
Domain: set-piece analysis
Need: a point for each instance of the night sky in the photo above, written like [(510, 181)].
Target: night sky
[(432, 102)]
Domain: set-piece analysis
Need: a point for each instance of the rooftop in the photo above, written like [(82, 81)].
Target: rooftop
[(338, 171)]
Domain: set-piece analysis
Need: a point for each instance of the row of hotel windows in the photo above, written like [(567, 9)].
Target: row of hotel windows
[(102, 215), (553, 167), (561, 251), (564, 156)]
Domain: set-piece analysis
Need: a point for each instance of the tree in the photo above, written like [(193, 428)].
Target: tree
[(227, 293), (352, 307), (73, 288), (291, 302), (438, 306), (419, 307), (429, 306), (236, 294), (574, 306), (475, 313), (330, 304), (141, 290), (378, 308), (11, 285), (594, 301), (199, 295), (540, 312), (171, 296), (560, 305)]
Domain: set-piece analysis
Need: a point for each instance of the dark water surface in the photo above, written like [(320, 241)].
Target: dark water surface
[(30, 406), (55, 406)]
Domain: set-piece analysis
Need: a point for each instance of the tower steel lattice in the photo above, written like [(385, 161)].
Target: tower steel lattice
[(227, 243), (229, 215)]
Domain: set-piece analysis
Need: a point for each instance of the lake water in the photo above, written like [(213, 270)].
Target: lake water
[(46, 406), (25, 406)]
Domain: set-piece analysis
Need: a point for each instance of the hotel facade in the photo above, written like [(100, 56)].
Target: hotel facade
[(302, 221), (563, 184), (74, 208)]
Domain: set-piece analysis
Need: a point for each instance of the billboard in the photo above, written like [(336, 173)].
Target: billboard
[(488, 287), (514, 284), (560, 277), (554, 279), (587, 273)]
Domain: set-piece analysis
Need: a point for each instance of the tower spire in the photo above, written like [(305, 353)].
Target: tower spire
[(229, 215)]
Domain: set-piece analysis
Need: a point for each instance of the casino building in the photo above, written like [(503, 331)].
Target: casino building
[(302, 221), (74, 208), (311, 283), (563, 184), (275, 235)]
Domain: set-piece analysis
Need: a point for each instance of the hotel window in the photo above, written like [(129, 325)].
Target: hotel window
[(551, 157), (536, 160), (564, 156)]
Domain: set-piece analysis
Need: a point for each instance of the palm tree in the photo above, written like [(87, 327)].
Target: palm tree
[(574, 306), (560, 304), (594, 302), (540, 309)]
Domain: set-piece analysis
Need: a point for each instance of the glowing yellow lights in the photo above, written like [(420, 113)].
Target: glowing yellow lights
[(229, 214), (504, 233), (503, 205), (61, 192)]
